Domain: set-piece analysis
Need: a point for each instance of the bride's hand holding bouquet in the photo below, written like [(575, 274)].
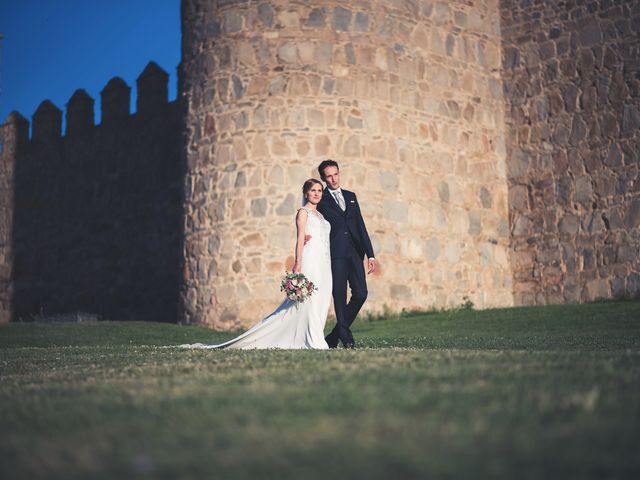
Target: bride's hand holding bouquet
[(297, 287)]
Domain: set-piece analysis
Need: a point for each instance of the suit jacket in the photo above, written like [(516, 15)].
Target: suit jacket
[(347, 228)]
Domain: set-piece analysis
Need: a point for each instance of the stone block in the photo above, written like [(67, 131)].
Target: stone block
[(321, 145), (306, 51), (453, 253), (459, 19), (265, 14), (627, 254), (298, 174), (632, 215), (279, 237), (569, 225), (328, 85), (475, 222), (302, 148), (260, 148), (518, 197), (341, 19), (287, 206), (352, 147), (362, 22), (259, 207), (598, 289), (630, 119), (609, 125), (350, 54), (288, 18), (586, 62), (578, 130), (396, 211), (288, 53), (561, 134), (442, 14), (584, 190), (432, 249), (233, 22), (614, 156), (518, 164), (400, 292), (344, 87), (277, 85), (594, 223), (276, 175), (279, 147), (355, 122), (389, 180), (324, 52), (315, 118), (590, 34), (443, 191), (485, 198), (633, 285), (252, 240), (316, 18)]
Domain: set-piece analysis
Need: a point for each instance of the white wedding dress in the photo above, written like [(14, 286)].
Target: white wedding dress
[(296, 325)]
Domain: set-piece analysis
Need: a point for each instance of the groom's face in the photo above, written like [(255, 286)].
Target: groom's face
[(332, 177)]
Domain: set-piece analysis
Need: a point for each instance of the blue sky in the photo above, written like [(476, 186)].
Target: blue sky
[(53, 47)]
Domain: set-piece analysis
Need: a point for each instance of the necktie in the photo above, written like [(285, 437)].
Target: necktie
[(340, 199)]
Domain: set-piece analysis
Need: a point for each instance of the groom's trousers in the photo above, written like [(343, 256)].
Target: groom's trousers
[(349, 270)]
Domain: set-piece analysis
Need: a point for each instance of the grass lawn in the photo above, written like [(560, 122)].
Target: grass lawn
[(526, 393)]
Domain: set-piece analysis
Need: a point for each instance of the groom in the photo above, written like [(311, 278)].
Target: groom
[(349, 244)]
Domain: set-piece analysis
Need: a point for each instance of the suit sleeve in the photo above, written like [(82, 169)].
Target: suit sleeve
[(366, 241)]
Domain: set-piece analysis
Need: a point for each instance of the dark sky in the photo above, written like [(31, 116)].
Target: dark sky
[(53, 47)]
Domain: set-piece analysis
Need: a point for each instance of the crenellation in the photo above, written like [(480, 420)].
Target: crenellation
[(152, 86), (79, 117), (47, 123), (115, 100)]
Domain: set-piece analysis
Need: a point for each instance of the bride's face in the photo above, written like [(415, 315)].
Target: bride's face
[(314, 194)]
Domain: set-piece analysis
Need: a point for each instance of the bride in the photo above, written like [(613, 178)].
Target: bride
[(297, 325)]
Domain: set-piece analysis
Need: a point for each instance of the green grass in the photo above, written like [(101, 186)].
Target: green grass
[(529, 393)]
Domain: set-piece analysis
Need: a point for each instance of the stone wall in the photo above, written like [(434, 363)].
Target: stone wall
[(94, 222), (13, 135), (572, 89), (493, 147), (405, 95)]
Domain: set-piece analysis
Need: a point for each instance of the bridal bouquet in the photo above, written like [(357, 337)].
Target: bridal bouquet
[(297, 287)]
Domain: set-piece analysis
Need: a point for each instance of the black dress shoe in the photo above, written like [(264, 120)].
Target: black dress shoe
[(331, 342), (350, 345)]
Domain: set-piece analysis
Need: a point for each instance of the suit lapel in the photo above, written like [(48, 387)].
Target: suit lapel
[(330, 199), (347, 202)]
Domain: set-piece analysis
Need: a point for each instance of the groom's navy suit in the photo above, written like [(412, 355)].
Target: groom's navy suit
[(349, 244)]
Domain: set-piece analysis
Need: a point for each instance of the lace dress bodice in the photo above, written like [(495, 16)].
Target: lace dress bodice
[(318, 245)]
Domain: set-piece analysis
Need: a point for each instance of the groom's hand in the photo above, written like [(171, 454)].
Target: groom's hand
[(372, 265), (307, 238)]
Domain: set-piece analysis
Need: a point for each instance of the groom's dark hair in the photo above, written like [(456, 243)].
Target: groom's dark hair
[(325, 164)]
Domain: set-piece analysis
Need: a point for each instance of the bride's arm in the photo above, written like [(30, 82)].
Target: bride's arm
[(301, 222)]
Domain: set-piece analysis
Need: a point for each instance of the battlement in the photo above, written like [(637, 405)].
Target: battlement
[(115, 98), (90, 219)]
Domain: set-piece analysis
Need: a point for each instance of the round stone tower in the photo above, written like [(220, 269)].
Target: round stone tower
[(405, 95)]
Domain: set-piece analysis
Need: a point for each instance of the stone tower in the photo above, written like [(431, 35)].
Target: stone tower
[(405, 95)]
